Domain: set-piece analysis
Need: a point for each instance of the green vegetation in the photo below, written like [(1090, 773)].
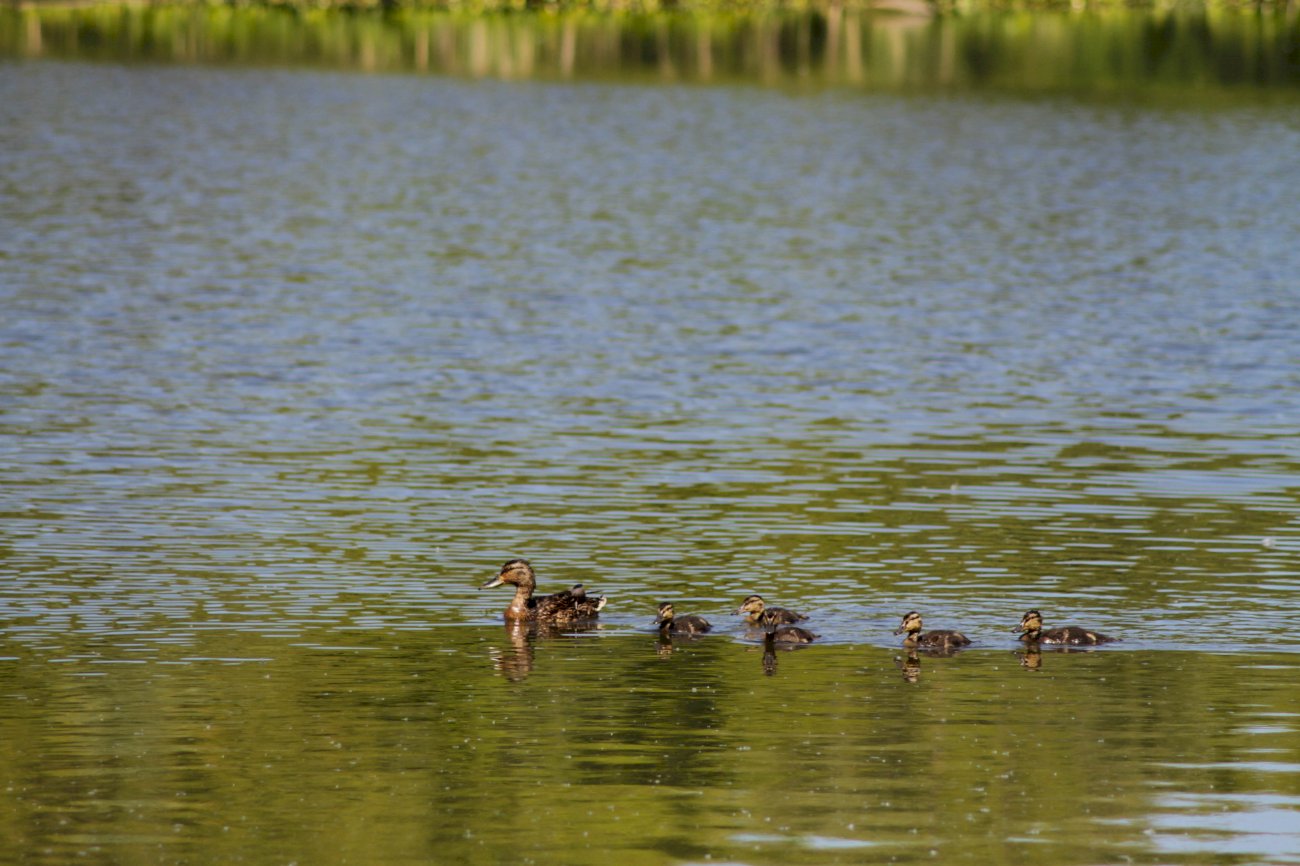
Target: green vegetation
[(1121, 50)]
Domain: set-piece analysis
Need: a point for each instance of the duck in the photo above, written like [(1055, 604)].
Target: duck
[(755, 607), (571, 605), (670, 623), (1031, 632), (937, 639), (775, 631)]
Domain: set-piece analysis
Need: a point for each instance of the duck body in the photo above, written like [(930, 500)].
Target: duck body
[(1032, 632), (791, 634), (571, 605), (670, 623), (754, 608), (940, 639), (775, 632)]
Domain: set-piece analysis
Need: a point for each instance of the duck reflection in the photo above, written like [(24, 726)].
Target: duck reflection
[(769, 659), (1031, 657), (667, 642), (909, 665), (515, 661)]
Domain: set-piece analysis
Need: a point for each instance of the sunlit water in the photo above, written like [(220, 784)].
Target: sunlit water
[(291, 362)]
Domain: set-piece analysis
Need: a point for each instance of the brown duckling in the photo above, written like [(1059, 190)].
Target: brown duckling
[(938, 639), (670, 623), (1031, 632), (776, 632), (755, 607), (571, 605)]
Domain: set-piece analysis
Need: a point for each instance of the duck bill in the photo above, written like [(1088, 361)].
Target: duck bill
[(899, 630), (496, 581)]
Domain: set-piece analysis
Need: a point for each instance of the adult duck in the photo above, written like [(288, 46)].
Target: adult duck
[(571, 605)]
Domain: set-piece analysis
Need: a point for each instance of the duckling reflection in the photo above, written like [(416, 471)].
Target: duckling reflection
[(940, 640), (1031, 659), (754, 607), (909, 666), (1032, 633), (769, 659)]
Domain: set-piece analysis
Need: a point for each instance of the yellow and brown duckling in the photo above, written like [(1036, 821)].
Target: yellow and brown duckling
[(942, 639), (670, 623), (754, 607), (776, 631), (1031, 632), (571, 605)]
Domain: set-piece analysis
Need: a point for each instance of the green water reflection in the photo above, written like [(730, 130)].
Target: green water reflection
[(1103, 52), (483, 745)]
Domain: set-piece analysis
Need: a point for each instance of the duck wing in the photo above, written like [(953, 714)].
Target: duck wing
[(943, 638), (786, 616), (567, 605), (1072, 634)]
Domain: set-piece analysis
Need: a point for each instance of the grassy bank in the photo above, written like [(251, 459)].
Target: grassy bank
[(908, 7), (1189, 53)]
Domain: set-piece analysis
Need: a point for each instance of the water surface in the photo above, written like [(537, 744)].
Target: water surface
[(291, 361)]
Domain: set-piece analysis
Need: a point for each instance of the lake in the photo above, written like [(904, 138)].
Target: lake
[(292, 359)]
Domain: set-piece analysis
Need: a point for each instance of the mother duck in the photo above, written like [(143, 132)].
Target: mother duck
[(571, 605)]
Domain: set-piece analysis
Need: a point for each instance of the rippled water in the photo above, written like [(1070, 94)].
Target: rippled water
[(291, 362)]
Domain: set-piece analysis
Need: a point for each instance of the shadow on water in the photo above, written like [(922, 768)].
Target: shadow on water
[(1099, 53)]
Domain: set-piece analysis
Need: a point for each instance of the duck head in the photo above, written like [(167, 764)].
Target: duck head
[(517, 572), (1030, 624), (768, 621), (666, 614), (753, 604), (911, 623)]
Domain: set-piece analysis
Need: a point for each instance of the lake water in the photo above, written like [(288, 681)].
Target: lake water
[(291, 361)]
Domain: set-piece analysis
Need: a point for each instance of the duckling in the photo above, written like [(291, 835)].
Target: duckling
[(571, 605), (771, 623), (669, 623), (941, 639), (754, 606), (1031, 632)]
